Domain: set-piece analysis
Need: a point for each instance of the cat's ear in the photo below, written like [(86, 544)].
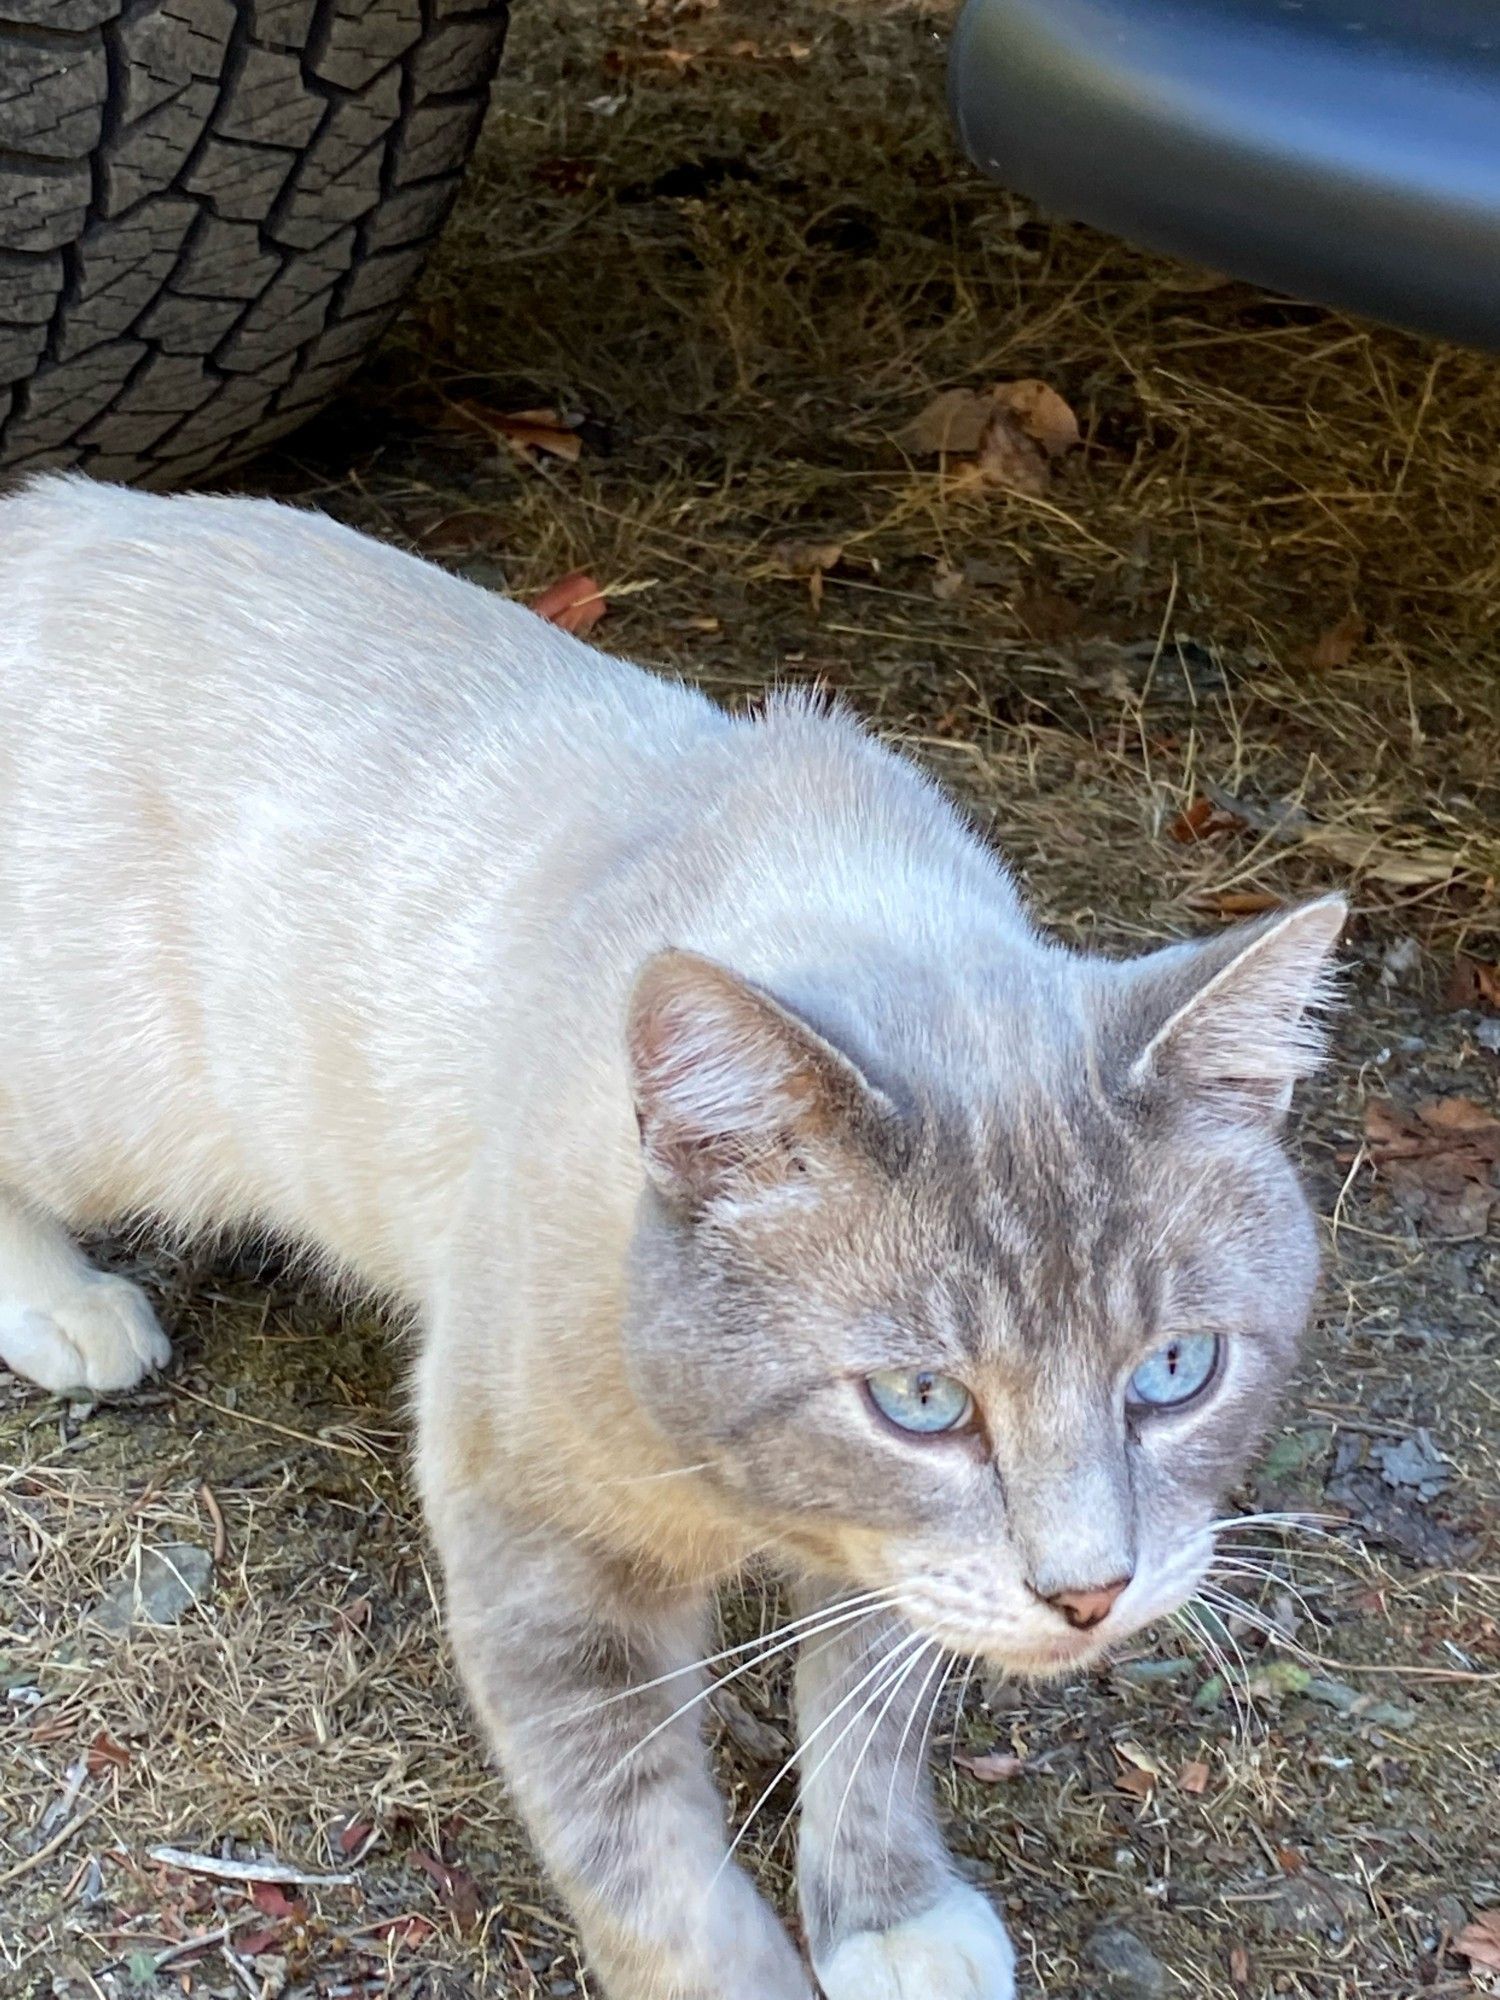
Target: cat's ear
[(1234, 1022), (731, 1089)]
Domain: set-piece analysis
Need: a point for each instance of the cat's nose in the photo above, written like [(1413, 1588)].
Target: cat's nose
[(1086, 1608)]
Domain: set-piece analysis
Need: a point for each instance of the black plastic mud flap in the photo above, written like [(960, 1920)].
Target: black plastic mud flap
[(1342, 151)]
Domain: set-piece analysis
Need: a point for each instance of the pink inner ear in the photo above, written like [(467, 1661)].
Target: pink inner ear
[(728, 1084), (1251, 1027)]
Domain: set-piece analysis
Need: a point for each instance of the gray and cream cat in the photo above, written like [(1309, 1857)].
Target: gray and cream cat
[(761, 1183)]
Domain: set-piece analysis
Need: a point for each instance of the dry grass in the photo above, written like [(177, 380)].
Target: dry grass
[(741, 273)]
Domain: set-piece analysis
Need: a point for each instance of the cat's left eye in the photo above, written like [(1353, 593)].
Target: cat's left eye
[(919, 1401), (1175, 1373)]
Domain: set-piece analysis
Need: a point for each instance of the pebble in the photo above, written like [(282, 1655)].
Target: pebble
[(157, 1589), (1128, 1967)]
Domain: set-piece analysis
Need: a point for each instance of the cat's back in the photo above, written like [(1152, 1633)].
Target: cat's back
[(181, 622)]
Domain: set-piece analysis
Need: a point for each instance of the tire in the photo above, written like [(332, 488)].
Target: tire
[(211, 209)]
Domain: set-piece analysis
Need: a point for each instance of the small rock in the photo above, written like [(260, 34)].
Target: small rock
[(1312, 1905), (1398, 959), (1414, 1461), (1450, 1915), (156, 1589), (1127, 1966), (1487, 1034)]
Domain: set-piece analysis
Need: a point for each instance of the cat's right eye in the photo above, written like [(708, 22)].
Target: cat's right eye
[(919, 1401)]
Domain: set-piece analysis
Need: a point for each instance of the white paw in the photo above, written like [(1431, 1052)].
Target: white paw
[(957, 1950), (98, 1333)]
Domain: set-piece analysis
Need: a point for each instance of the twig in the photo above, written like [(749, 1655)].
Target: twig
[(265, 1424), (244, 1871), (239, 1968), (215, 1514), (59, 1839)]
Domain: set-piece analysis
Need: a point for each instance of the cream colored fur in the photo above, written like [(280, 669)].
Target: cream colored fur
[(672, 1073)]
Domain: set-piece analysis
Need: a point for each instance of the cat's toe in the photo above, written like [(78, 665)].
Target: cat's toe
[(957, 1950), (100, 1335)]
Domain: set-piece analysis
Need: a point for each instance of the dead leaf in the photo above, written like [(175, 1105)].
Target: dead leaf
[(105, 1754), (353, 1835), (1041, 413), (1417, 866), (1291, 1861), (529, 433), (405, 1930), (1474, 984), (1480, 1942), (251, 1944), (1193, 1779), (1008, 458), (1010, 430), (1139, 1770), (1442, 1162), (993, 1767), (1335, 647), (1239, 1965), (457, 1890), (575, 602), (1236, 902), (811, 560), (952, 422), (273, 1901), (1201, 819)]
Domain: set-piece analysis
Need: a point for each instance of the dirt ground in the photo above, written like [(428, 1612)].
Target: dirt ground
[(1235, 645)]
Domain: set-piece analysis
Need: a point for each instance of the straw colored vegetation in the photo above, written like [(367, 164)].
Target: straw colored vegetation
[(1235, 644)]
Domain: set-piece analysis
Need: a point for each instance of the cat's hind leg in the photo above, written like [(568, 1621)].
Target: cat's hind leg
[(64, 1325)]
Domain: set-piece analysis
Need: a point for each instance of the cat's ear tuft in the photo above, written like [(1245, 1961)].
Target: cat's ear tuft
[(1234, 1022), (732, 1090)]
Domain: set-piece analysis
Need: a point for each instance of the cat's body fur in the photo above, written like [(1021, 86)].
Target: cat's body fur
[(326, 882)]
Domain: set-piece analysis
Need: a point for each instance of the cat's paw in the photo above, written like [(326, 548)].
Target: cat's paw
[(98, 1333), (957, 1950)]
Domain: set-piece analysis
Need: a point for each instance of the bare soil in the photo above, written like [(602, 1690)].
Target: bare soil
[(1237, 646)]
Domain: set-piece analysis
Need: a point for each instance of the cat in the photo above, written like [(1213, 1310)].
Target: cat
[(762, 1184)]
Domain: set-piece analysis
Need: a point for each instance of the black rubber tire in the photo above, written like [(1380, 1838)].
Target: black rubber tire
[(210, 209)]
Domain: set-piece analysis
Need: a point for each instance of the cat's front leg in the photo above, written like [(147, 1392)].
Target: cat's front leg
[(584, 1677), (886, 1916)]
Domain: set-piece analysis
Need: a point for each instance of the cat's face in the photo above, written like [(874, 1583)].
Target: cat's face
[(992, 1339)]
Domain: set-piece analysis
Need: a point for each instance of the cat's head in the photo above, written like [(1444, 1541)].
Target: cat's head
[(980, 1294)]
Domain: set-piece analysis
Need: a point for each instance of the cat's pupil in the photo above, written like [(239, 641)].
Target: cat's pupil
[(1173, 1358), (925, 1386)]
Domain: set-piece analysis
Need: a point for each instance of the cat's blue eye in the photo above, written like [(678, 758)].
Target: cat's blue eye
[(916, 1400), (1175, 1373)]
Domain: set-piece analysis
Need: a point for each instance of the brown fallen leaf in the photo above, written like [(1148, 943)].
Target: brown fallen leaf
[(1239, 1965), (1139, 1770), (1335, 647), (1480, 1941), (528, 433), (1416, 865), (1193, 1779), (273, 1901), (105, 1754), (812, 560), (457, 1890), (1442, 1162), (251, 1944), (1041, 413), (404, 1930), (993, 1767), (1236, 902), (575, 602), (1011, 430), (1201, 819), (1008, 458), (1472, 983)]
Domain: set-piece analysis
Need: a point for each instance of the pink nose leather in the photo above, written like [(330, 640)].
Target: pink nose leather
[(1085, 1608)]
